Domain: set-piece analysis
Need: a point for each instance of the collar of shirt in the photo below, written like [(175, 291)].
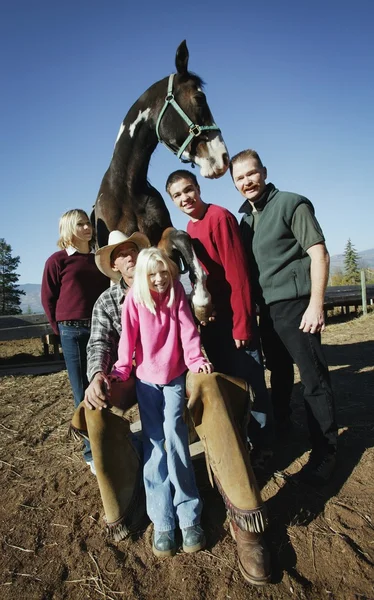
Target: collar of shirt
[(71, 250), (124, 288), (247, 208)]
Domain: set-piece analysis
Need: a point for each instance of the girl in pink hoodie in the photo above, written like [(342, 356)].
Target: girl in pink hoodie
[(157, 324)]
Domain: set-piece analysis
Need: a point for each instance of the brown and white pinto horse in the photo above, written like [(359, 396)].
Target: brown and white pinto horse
[(175, 112)]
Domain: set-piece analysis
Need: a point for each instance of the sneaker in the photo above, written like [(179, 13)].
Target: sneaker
[(163, 544), (193, 538), (318, 471), (92, 467)]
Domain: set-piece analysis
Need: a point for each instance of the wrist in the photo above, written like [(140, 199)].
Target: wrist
[(98, 375), (316, 303)]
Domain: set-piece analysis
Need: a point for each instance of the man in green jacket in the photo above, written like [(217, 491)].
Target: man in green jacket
[(289, 268)]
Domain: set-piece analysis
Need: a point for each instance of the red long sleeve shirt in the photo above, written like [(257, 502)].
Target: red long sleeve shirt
[(218, 246), (70, 287)]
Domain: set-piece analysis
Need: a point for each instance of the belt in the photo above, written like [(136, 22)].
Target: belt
[(77, 323)]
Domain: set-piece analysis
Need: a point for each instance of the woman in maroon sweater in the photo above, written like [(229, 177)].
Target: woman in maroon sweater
[(71, 285)]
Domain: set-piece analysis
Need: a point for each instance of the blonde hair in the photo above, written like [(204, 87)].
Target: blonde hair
[(146, 262), (68, 225)]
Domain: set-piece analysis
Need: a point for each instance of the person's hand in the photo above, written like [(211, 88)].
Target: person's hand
[(313, 320), (206, 368), (241, 343), (97, 392), (115, 378)]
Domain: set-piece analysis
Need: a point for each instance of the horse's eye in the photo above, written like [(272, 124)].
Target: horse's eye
[(200, 99)]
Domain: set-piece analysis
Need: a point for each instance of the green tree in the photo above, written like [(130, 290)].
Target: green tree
[(369, 274), (351, 268), (9, 292), (337, 278)]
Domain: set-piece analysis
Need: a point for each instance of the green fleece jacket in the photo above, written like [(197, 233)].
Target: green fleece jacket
[(283, 267)]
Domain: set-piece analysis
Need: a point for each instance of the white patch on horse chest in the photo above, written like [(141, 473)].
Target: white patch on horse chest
[(121, 130), (142, 116), (201, 296)]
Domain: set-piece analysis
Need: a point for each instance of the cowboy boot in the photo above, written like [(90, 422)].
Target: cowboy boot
[(253, 555)]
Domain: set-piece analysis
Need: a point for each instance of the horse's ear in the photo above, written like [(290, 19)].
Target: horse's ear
[(181, 58)]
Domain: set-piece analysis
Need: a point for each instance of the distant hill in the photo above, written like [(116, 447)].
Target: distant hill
[(366, 256), (31, 301)]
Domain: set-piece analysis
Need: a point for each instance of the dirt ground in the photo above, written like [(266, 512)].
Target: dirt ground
[(52, 540)]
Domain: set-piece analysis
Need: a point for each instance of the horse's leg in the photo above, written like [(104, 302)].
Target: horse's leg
[(111, 215), (181, 241), (107, 215), (152, 215)]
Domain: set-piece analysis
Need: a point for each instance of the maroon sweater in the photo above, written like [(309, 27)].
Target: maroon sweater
[(217, 242), (70, 286)]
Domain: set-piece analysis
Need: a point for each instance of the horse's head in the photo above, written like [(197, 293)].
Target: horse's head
[(186, 125)]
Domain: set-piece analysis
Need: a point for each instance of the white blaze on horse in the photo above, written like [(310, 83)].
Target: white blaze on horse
[(173, 111)]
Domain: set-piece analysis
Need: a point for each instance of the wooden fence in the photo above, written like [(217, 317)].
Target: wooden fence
[(19, 327), (348, 295)]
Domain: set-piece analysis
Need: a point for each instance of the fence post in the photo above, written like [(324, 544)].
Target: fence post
[(363, 292)]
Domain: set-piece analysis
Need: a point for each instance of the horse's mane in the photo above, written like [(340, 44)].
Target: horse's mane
[(196, 79)]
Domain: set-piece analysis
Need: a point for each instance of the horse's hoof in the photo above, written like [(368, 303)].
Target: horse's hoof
[(203, 313)]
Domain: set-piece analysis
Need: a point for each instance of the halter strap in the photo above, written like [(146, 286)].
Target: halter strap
[(195, 130)]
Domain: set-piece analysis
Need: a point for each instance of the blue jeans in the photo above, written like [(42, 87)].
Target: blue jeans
[(74, 343), (169, 479)]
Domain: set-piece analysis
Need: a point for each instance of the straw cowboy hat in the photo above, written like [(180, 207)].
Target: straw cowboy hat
[(116, 238)]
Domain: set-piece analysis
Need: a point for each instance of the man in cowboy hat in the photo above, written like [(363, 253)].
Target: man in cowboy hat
[(117, 463), (117, 261)]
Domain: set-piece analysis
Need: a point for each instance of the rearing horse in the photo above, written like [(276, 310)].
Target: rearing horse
[(173, 111)]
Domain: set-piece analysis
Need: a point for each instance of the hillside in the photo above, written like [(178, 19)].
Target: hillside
[(30, 303), (366, 256)]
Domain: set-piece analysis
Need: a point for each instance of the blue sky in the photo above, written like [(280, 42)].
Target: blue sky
[(292, 79)]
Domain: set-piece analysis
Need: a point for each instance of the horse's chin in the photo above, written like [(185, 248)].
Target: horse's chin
[(211, 171)]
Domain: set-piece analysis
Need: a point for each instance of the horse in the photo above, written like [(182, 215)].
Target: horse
[(173, 111)]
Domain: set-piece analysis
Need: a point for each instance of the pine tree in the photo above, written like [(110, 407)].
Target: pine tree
[(9, 292), (351, 268)]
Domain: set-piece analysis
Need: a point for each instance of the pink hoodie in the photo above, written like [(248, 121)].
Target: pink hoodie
[(165, 344)]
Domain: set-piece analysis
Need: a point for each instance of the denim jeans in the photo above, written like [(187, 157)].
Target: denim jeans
[(169, 479), (74, 343), (306, 351)]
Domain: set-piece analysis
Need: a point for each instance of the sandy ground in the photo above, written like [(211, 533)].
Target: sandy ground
[(52, 540)]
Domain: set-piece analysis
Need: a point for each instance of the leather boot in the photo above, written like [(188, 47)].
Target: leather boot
[(253, 555)]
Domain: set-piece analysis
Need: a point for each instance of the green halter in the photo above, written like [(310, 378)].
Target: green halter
[(195, 130)]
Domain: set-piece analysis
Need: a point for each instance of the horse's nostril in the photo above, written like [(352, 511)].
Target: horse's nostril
[(225, 159)]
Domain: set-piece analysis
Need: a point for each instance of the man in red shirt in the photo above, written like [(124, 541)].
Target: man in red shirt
[(230, 338)]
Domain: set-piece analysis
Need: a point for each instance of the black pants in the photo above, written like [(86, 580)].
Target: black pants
[(246, 362), (284, 344)]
